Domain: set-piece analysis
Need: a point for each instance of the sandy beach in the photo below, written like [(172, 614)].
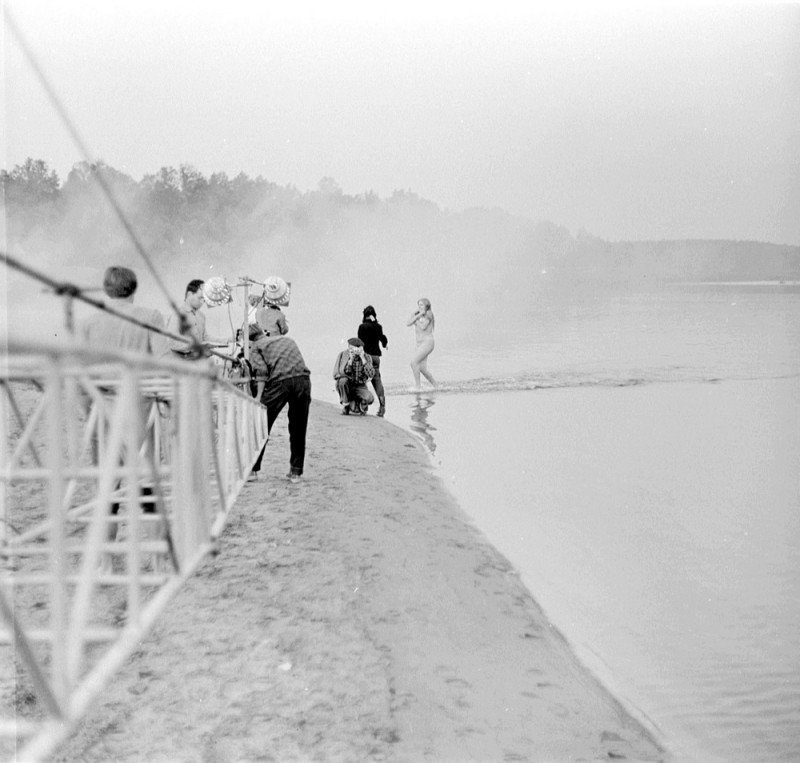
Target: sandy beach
[(355, 616)]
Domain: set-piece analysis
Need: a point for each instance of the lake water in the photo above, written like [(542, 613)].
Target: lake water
[(636, 458)]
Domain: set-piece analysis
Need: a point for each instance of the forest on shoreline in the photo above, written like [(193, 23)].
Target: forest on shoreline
[(181, 215)]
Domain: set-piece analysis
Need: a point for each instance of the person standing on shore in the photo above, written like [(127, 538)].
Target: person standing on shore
[(105, 331), (277, 361), (423, 322), (194, 322), (270, 317), (371, 333)]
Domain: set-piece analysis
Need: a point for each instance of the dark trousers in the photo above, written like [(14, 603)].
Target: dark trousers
[(295, 391), (350, 392), (377, 382)]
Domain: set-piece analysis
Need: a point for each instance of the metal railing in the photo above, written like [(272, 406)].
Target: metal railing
[(118, 472)]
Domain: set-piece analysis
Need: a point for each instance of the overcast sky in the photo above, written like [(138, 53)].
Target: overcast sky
[(630, 124)]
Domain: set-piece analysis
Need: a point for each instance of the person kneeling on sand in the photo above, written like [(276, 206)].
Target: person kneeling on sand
[(352, 370)]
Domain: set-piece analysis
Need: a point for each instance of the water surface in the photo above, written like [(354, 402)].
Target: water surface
[(637, 461)]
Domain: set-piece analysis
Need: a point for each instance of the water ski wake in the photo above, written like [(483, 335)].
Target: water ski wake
[(564, 379)]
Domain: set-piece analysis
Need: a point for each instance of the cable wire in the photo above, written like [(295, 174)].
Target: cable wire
[(64, 288), (75, 135)]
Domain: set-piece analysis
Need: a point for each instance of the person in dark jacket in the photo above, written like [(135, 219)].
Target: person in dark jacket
[(370, 332), (277, 362)]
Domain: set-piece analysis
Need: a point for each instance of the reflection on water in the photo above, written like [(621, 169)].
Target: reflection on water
[(420, 404), (676, 585)]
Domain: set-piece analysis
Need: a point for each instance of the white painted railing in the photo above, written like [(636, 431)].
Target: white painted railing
[(91, 443)]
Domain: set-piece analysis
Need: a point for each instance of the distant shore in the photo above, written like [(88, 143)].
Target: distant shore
[(737, 283), (355, 616)]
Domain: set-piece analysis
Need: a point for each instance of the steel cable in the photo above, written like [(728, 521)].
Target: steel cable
[(69, 289), (73, 132)]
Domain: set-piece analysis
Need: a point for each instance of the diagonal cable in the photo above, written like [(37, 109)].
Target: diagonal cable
[(64, 287), (73, 132)]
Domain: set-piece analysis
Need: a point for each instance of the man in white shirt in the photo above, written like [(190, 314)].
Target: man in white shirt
[(106, 331)]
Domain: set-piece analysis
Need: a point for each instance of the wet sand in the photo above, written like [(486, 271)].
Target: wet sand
[(355, 616)]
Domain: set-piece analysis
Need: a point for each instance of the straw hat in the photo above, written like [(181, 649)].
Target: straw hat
[(217, 291), (277, 291)]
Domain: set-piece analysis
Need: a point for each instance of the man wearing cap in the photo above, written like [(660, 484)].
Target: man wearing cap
[(351, 371), (278, 362)]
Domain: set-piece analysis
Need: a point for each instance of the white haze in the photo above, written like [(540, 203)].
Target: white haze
[(655, 122), (663, 123), (390, 264)]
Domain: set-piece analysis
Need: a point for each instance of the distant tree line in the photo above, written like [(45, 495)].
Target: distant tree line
[(179, 212), (173, 210)]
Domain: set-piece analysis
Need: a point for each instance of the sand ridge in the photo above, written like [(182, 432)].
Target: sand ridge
[(355, 616)]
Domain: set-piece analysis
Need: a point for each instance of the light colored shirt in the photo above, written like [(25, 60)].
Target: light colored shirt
[(107, 332), (196, 322)]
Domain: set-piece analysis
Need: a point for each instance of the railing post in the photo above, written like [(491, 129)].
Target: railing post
[(203, 458), (57, 515), (246, 325), (181, 457), (217, 445), (5, 415), (191, 465), (233, 449), (129, 399)]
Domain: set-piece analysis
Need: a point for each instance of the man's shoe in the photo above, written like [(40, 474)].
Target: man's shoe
[(381, 411), (346, 410), (293, 478)]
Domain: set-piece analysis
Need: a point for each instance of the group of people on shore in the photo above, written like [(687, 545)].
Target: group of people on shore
[(281, 375), (360, 362)]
